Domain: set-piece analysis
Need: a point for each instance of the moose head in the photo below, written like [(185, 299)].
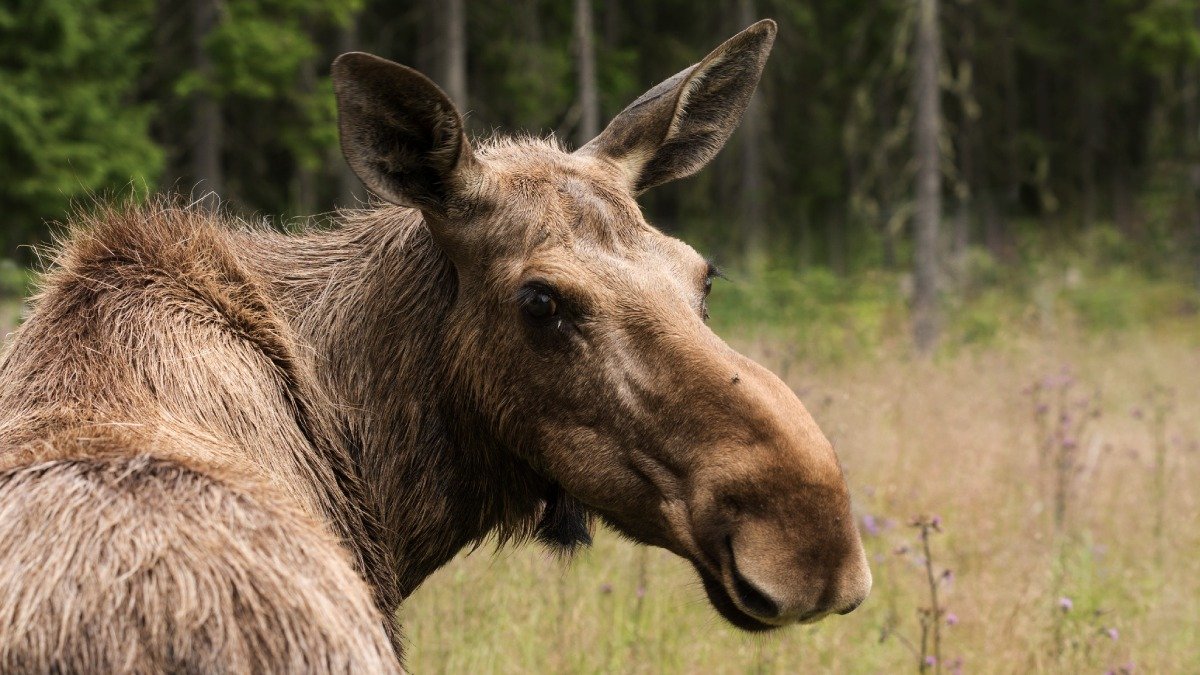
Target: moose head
[(578, 331)]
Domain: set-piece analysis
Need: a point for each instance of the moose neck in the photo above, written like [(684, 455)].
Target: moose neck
[(372, 300)]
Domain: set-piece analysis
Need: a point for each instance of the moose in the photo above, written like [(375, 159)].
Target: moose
[(226, 448)]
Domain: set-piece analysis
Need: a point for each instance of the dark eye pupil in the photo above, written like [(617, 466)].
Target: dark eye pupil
[(707, 285), (541, 306)]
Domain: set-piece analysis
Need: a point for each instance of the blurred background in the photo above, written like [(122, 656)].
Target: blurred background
[(1051, 129), (966, 232)]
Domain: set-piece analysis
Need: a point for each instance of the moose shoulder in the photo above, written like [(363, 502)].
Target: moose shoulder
[(230, 449)]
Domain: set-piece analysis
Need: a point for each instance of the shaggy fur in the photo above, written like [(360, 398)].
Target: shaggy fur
[(152, 342), (152, 563)]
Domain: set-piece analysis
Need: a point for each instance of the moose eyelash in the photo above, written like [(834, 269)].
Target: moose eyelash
[(527, 292), (714, 271)]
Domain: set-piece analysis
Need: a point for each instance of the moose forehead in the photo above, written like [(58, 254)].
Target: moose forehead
[(548, 207)]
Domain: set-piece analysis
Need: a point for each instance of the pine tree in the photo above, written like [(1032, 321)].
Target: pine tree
[(70, 125)]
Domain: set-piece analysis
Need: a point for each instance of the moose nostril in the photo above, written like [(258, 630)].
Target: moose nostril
[(751, 598)]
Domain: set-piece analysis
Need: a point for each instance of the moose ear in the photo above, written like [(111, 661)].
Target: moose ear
[(674, 129), (400, 133)]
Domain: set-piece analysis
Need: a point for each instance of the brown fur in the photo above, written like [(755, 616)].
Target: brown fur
[(228, 448), (154, 364), (153, 563)]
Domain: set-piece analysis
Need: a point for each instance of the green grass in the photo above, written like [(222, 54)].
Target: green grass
[(822, 318)]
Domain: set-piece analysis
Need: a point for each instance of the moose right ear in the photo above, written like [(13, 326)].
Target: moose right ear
[(400, 133)]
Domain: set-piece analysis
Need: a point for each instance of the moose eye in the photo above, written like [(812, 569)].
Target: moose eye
[(540, 305)]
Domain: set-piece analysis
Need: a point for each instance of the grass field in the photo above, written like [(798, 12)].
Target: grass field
[(960, 437), (1100, 514)]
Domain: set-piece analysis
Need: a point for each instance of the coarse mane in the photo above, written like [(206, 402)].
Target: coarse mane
[(185, 259), (351, 313)]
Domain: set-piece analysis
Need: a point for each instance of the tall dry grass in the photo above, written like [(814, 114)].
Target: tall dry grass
[(959, 438)]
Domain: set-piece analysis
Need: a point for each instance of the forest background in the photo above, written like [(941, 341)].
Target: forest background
[(966, 232)]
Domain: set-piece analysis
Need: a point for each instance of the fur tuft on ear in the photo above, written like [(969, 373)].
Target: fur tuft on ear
[(566, 524), (678, 126), (399, 132)]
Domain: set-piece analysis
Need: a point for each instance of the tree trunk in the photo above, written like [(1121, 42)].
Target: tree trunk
[(926, 321), (170, 20), (304, 192), (1191, 91), (996, 226), (968, 140), (442, 53), (993, 226), (752, 188), (207, 128), (1191, 144), (350, 191), (589, 97), (454, 73), (1089, 113)]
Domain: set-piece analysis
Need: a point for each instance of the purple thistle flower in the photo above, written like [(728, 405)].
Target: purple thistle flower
[(606, 588), (1112, 633), (901, 549), (930, 661), (1137, 413), (870, 525), (1065, 604), (936, 523), (641, 592), (951, 619)]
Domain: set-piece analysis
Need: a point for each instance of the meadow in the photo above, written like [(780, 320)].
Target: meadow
[(1055, 438), (1056, 447)]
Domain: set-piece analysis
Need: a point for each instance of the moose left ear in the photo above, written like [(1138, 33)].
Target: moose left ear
[(674, 129), (400, 133)]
